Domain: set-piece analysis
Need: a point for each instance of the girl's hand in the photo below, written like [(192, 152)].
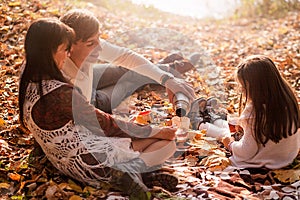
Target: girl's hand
[(226, 141), (165, 133)]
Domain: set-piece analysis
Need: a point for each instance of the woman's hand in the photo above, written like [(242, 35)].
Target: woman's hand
[(175, 85), (166, 133)]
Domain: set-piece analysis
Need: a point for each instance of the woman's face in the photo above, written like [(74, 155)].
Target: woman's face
[(60, 55)]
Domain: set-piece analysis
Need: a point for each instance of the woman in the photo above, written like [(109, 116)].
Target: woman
[(89, 150)]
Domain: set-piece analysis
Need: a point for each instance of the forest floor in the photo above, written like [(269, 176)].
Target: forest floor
[(203, 169)]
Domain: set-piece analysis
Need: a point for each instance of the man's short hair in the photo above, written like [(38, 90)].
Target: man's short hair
[(84, 23)]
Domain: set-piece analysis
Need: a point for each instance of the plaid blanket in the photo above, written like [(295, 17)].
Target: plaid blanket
[(212, 177)]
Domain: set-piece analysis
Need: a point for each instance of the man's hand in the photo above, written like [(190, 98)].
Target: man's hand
[(175, 85)]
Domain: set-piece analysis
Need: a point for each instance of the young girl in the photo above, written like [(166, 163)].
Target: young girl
[(78, 139), (270, 119)]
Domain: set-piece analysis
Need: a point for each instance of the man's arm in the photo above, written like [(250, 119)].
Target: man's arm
[(131, 60)]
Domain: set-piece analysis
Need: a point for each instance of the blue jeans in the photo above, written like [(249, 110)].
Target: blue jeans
[(112, 84)]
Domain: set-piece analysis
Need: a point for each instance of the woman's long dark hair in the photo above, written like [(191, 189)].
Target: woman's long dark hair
[(41, 42), (275, 105)]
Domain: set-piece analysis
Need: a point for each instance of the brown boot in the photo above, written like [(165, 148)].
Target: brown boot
[(182, 66), (178, 65), (166, 181), (171, 58)]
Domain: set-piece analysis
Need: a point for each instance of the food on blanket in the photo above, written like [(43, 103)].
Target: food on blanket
[(191, 160), (215, 162), (181, 122), (168, 109), (143, 117), (168, 122), (204, 144), (203, 152), (210, 139), (232, 128), (218, 152), (201, 138), (195, 134)]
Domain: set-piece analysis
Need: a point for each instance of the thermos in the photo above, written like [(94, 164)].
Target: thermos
[(181, 104)]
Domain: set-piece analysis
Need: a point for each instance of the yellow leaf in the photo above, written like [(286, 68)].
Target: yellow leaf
[(14, 4), (287, 176), (53, 11), (4, 29), (104, 36), (2, 122), (74, 186), (89, 189), (4, 185), (64, 186), (75, 197), (283, 30)]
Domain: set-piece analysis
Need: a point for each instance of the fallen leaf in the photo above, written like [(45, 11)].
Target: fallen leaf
[(2, 122), (4, 185), (287, 176), (74, 186), (75, 197), (14, 4), (89, 189), (50, 191), (14, 176)]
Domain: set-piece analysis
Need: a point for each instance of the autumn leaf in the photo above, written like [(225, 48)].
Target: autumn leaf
[(74, 186), (4, 144), (14, 176), (2, 123), (4, 185), (14, 4), (89, 189), (75, 197), (287, 176)]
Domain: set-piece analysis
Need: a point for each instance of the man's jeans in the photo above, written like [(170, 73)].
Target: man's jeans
[(112, 84)]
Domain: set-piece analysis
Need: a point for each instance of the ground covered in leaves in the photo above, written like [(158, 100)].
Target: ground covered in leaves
[(26, 174)]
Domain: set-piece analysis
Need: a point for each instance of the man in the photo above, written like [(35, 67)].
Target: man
[(110, 84)]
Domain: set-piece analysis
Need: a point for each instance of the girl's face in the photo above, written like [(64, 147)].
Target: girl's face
[(60, 55)]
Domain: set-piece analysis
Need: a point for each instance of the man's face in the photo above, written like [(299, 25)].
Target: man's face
[(82, 50)]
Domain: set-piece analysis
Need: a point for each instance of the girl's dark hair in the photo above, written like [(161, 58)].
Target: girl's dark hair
[(83, 22), (41, 42), (275, 105)]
